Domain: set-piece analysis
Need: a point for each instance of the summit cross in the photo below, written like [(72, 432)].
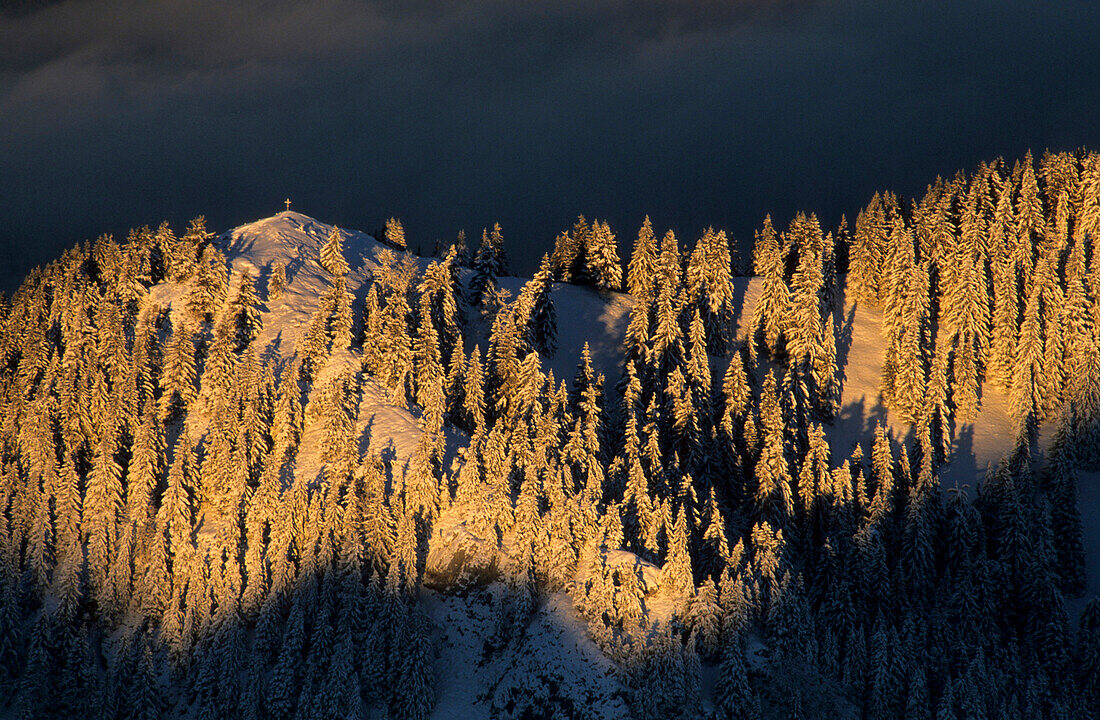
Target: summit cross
[(287, 201)]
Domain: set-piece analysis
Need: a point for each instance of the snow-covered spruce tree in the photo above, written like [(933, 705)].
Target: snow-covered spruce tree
[(676, 575), (276, 281), (762, 240), (472, 411), (312, 346), (503, 360), (338, 301), (209, 285), (370, 331), (177, 259), (1028, 395), (1030, 221), (1005, 321), (868, 251), (912, 340), (709, 288), (807, 352), (395, 233), (732, 408), (771, 313), (643, 264), (392, 345), (966, 315), (332, 253), (567, 262), (601, 259), (1081, 415), (245, 313), (773, 496), (735, 698), (536, 317), (439, 285), (666, 350), (177, 380), (1087, 658), (428, 379), (1060, 482), (1087, 223), (639, 526), (220, 370), (489, 264), (103, 503), (1078, 332)]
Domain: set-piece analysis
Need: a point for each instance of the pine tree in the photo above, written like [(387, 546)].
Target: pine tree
[(178, 377), (208, 286), (536, 317), (643, 264), (709, 287), (1030, 224), (1088, 654), (244, 309), (869, 251), (174, 517), (772, 310), (601, 258), (276, 281), (440, 284), (1061, 483), (103, 505), (332, 252), (395, 234), (489, 264), (773, 496), (676, 575), (570, 250), (429, 378)]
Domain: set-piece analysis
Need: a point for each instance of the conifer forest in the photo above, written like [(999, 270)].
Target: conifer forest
[(295, 472)]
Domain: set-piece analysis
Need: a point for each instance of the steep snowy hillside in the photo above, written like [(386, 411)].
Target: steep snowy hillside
[(599, 319), (596, 318), (483, 669), (472, 683), (291, 471)]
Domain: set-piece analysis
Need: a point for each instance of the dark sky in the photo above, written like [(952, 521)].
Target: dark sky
[(117, 113)]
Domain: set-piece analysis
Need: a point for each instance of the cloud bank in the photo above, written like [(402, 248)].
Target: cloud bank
[(453, 115)]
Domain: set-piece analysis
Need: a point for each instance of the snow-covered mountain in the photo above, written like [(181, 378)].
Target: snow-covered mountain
[(295, 471), (558, 646)]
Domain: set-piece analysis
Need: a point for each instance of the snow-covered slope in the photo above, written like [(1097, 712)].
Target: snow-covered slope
[(477, 681), (294, 240), (598, 318), (551, 662)]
